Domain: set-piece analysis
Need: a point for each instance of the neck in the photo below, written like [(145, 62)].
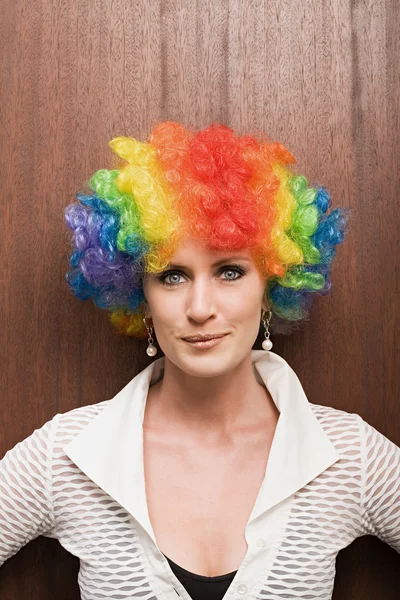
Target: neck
[(209, 408)]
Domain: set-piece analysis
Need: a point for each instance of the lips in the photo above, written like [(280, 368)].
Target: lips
[(204, 344), (203, 338)]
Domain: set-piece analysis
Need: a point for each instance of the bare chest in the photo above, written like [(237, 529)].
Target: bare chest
[(200, 500)]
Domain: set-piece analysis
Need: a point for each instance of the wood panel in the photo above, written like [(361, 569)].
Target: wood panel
[(321, 77)]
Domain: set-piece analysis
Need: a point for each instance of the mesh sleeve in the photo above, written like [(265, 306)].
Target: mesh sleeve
[(380, 486), (25, 490)]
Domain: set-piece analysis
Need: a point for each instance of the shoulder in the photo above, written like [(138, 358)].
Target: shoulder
[(343, 428), (83, 414), (334, 417), (72, 422), (349, 431)]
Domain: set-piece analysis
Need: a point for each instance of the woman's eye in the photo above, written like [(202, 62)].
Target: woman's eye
[(172, 275), (233, 273)]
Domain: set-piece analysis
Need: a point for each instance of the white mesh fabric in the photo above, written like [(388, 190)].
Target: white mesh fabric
[(42, 492), (358, 495), (25, 494)]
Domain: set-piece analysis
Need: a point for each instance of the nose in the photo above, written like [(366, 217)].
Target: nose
[(201, 302)]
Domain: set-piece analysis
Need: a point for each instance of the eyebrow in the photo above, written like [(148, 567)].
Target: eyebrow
[(215, 264)]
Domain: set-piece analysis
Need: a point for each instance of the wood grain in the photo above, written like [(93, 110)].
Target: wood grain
[(321, 77)]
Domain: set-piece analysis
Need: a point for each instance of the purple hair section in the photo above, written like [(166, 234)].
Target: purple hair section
[(114, 279)]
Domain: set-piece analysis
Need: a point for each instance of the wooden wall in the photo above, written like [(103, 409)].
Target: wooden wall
[(321, 76)]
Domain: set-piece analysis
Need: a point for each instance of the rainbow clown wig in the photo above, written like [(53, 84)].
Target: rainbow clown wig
[(227, 191)]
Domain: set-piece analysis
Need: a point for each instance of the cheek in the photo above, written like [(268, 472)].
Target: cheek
[(247, 304), (166, 308)]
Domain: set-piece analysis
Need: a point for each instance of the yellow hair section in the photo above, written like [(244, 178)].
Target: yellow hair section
[(160, 255), (128, 323), (288, 251), (143, 178)]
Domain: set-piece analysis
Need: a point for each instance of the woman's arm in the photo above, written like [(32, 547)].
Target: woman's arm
[(25, 490), (380, 485)]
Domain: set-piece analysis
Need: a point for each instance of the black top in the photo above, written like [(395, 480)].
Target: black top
[(200, 587)]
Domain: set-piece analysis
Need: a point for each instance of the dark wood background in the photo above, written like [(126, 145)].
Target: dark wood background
[(321, 76)]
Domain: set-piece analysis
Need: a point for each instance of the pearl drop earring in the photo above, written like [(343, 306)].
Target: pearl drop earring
[(267, 344), (151, 350)]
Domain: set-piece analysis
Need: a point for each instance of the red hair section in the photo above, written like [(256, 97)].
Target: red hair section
[(225, 187)]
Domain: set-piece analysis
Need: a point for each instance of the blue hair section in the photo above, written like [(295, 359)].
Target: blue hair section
[(113, 279)]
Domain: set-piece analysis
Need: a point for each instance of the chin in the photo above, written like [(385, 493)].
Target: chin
[(207, 363), (206, 373)]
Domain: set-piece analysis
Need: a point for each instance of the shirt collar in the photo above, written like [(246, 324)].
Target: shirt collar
[(110, 448)]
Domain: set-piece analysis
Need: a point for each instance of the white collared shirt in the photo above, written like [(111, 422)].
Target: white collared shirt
[(330, 478)]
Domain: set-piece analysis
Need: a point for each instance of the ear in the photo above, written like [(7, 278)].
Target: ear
[(264, 303), (147, 311), (145, 307), (265, 307)]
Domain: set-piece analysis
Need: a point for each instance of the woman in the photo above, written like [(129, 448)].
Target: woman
[(209, 474)]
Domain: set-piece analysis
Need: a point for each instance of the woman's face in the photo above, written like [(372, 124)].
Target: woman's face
[(202, 292)]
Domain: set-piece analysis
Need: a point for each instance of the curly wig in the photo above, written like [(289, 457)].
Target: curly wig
[(227, 191)]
